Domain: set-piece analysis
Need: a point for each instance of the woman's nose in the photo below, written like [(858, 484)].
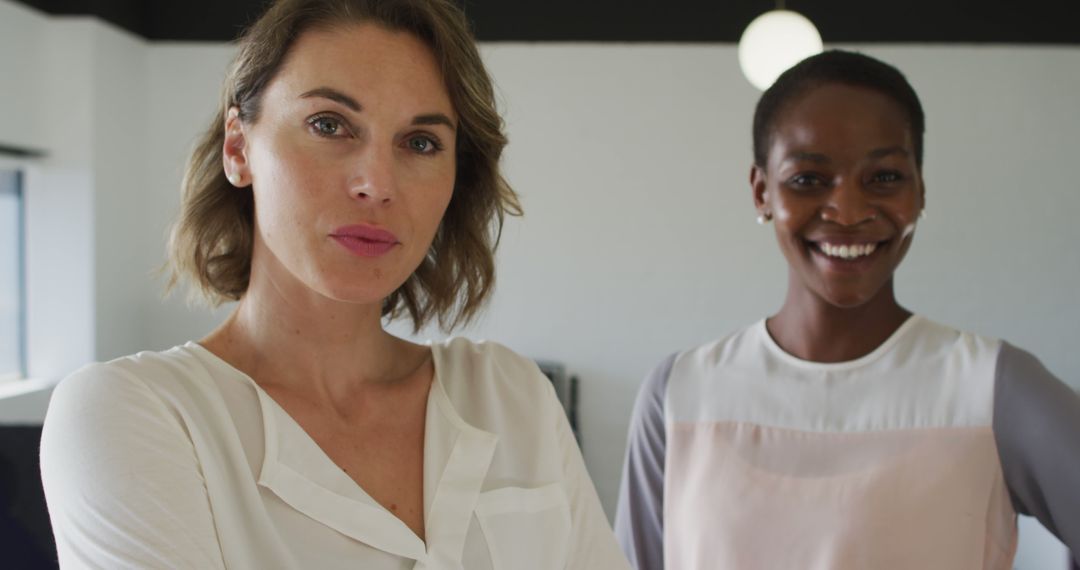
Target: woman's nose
[(847, 205), (374, 179)]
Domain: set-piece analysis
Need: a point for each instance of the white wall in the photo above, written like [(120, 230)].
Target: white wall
[(632, 163), (78, 93), (122, 196), (639, 237), (21, 75), (183, 90), (46, 107)]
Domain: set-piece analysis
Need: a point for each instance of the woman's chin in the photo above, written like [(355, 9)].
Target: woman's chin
[(353, 293), (852, 296)]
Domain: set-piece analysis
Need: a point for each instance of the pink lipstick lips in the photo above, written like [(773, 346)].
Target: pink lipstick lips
[(364, 240)]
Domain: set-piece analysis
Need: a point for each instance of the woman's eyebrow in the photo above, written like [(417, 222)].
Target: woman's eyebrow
[(801, 156), (339, 97), (434, 119), (883, 152), (333, 95)]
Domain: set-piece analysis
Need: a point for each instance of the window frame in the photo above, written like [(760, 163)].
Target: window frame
[(19, 191)]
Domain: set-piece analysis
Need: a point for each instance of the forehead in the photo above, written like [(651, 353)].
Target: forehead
[(367, 61), (840, 117)]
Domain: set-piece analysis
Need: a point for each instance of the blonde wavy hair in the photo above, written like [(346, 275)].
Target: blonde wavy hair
[(210, 244)]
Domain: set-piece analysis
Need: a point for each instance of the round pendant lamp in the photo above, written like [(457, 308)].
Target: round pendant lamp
[(773, 42)]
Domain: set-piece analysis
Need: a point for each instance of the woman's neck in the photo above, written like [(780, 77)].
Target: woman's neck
[(810, 328), (302, 342)]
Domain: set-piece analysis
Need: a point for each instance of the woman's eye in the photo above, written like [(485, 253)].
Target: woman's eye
[(326, 126), (805, 181), (888, 177), (423, 145)]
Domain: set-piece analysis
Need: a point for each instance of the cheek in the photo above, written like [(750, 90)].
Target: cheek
[(435, 188), (291, 182), (286, 203), (790, 217), (906, 217), (291, 165), (907, 230), (435, 209), (783, 214), (791, 209)]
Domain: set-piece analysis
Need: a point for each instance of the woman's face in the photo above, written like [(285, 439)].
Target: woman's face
[(843, 186), (351, 161)]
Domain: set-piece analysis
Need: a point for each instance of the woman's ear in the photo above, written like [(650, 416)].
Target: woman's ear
[(234, 150), (758, 189), (922, 193)]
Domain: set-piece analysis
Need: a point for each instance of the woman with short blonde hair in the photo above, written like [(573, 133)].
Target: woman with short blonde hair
[(350, 176)]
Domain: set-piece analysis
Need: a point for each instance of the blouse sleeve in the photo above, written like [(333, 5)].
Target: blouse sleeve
[(639, 518), (1037, 430), (122, 482)]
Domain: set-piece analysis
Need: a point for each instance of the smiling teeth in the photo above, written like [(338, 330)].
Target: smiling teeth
[(847, 251)]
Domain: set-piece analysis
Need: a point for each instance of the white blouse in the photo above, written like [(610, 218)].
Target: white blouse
[(178, 460)]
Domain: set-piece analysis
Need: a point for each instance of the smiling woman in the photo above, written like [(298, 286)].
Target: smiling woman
[(844, 432), (841, 180), (351, 175)]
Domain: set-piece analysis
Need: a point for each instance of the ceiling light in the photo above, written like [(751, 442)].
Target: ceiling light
[(774, 42)]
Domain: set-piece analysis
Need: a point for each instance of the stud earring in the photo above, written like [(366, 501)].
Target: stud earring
[(922, 214), (763, 219), (234, 179)]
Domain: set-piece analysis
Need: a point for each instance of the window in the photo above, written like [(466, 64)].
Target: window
[(12, 294)]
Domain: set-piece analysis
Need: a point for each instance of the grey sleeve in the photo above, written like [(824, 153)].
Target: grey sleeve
[(1037, 430), (639, 516)]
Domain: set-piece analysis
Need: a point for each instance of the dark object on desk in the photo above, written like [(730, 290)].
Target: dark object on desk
[(566, 388), (26, 538)]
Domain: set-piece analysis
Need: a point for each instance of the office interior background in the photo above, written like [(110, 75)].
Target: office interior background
[(629, 126)]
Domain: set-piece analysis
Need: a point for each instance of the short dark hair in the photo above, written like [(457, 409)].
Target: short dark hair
[(835, 66)]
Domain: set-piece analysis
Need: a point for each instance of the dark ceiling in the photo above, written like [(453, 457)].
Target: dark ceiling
[(862, 21)]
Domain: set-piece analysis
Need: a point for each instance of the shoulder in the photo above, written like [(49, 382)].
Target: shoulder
[(126, 389), (938, 367), (485, 379), (930, 338), (488, 363), (742, 347), (1024, 387), (1014, 363), (652, 395), (114, 411), (656, 382), (964, 360), (460, 351), (153, 371)]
